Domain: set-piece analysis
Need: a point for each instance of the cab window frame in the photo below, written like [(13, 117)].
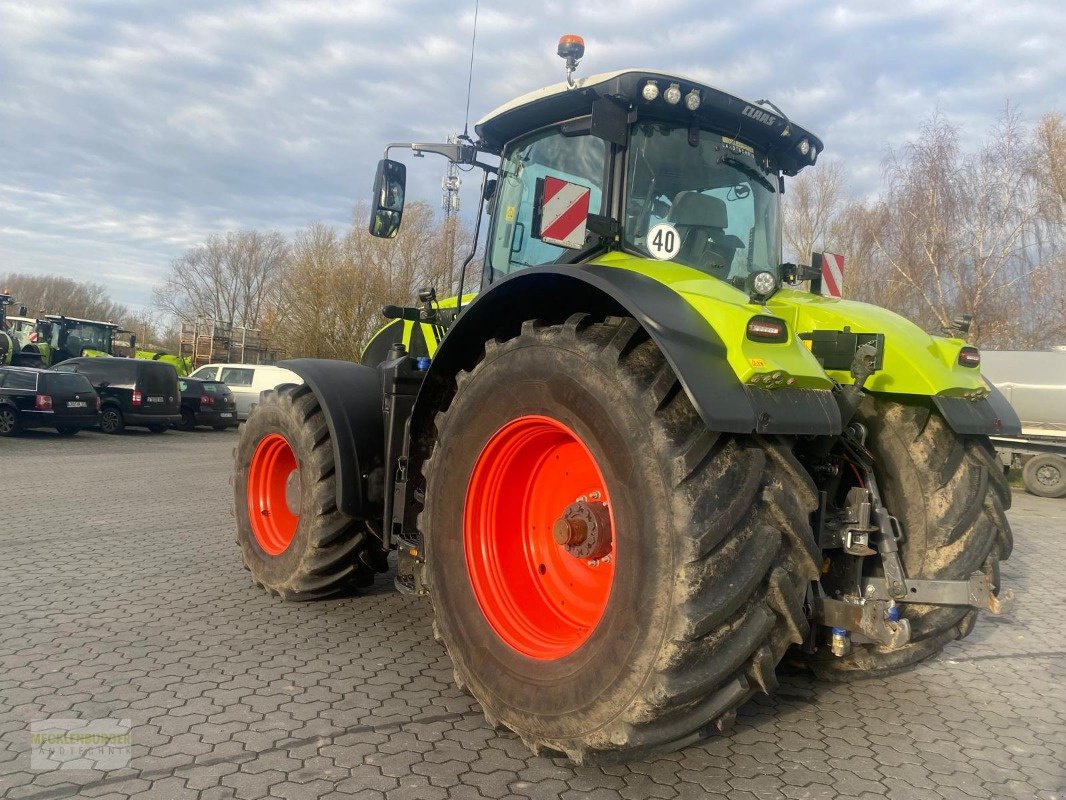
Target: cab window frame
[(582, 126)]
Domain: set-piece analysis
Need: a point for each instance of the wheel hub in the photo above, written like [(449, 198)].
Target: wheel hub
[(584, 530), (293, 492), (1048, 475), (541, 563), (274, 494)]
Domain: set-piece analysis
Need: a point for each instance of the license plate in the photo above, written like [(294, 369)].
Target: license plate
[(77, 404), (155, 399), (225, 414)]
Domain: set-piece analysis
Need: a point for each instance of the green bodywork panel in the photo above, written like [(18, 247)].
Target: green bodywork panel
[(182, 365), (914, 362)]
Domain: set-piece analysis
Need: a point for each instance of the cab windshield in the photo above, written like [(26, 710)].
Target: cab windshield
[(700, 199), (83, 336)]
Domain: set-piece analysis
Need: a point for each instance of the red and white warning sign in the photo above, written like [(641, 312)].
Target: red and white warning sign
[(564, 213), (832, 274)]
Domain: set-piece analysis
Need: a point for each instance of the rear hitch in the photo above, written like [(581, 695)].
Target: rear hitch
[(978, 592), (876, 619)]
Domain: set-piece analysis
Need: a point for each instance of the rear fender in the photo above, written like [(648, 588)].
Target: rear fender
[(350, 397), (688, 341)]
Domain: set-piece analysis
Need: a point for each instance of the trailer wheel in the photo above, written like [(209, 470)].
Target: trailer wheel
[(293, 540), (1045, 476), (950, 493), (610, 578)]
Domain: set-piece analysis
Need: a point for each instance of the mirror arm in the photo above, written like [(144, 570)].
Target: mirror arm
[(459, 153)]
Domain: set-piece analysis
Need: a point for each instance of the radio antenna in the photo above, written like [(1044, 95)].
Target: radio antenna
[(470, 77)]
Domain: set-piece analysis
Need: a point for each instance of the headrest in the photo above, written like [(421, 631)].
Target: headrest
[(693, 208)]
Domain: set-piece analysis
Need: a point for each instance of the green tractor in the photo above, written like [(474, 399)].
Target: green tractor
[(57, 337), (643, 466), (14, 333)]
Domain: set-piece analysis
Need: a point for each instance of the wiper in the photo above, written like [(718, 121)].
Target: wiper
[(736, 163)]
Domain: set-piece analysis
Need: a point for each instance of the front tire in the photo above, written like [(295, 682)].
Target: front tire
[(293, 540), (699, 585), (950, 494), (67, 430), (158, 428)]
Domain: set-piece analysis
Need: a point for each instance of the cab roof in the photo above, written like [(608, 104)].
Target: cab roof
[(61, 318), (756, 124)]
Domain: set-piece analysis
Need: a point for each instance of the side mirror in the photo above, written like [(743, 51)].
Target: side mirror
[(133, 342), (390, 184), (23, 311)]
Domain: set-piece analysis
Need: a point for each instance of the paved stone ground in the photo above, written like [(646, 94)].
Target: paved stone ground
[(122, 595)]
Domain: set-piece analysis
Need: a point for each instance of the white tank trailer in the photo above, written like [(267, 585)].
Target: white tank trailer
[(1035, 384)]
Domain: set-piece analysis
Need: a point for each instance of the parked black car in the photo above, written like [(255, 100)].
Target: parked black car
[(207, 403), (37, 398), (133, 391)]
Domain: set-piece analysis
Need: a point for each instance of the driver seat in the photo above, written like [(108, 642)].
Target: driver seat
[(701, 221)]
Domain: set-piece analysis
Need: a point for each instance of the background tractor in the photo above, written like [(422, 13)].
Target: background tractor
[(641, 466)]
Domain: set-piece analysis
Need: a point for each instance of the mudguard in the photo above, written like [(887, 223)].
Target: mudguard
[(691, 346), (350, 397), (993, 415)]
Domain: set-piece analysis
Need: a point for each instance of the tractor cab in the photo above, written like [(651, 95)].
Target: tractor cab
[(644, 162), (69, 337)]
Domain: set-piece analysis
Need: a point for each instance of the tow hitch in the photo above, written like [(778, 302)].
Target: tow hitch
[(866, 607), (978, 592)]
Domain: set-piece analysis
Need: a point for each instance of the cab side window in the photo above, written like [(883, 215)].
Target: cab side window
[(575, 159)]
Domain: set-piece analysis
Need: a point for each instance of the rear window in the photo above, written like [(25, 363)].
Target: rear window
[(68, 382), (117, 372), (237, 376), (214, 387), (157, 378), (18, 380)]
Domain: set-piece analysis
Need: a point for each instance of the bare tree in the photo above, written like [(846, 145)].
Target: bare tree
[(55, 294), (233, 278), (813, 203), (337, 283)]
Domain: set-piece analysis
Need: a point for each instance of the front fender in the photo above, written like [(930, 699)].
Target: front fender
[(690, 344), (350, 397)]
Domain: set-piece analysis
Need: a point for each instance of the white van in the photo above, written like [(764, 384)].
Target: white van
[(246, 381)]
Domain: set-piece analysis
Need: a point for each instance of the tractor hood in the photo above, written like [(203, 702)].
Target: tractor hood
[(914, 362)]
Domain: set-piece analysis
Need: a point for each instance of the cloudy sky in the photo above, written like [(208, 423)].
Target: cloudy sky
[(131, 129)]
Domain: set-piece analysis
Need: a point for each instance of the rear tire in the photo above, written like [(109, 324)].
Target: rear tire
[(188, 420), (111, 420), (300, 547), (158, 428), (1045, 476), (949, 493), (10, 425), (65, 430), (710, 531)]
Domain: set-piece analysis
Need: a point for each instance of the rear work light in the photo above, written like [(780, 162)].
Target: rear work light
[(137, 399), (970, 357), (767, 329), (43, 402), (207, 400)]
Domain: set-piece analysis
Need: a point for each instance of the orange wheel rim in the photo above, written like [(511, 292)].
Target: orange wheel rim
[(273, 494), (540, 597)]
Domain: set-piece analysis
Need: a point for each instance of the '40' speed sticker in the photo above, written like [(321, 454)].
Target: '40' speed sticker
[(664, 242)]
